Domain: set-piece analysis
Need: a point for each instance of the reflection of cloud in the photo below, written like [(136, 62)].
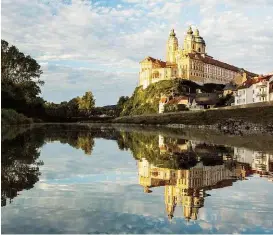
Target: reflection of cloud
[(67, 206)]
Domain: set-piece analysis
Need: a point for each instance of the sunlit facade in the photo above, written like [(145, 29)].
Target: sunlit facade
[(190, 62)]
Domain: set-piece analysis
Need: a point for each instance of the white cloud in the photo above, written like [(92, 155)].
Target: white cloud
[(114, 38)]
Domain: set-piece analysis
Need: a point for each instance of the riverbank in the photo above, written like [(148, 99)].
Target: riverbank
[(231, 121)]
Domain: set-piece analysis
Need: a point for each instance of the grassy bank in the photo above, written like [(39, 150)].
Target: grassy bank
[(255, 115), (145, 101), (11, 117)]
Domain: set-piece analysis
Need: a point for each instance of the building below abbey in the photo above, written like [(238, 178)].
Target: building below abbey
[(190, 62)]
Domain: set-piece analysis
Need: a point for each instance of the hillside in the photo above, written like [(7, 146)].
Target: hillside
[(146, 101)]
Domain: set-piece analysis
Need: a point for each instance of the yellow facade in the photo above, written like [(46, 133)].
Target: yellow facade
[(190, 62)]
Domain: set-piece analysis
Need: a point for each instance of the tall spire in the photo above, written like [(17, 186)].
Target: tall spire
[(172, 33), (190, 30)]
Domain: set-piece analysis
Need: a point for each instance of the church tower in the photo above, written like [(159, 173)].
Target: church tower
[(172, 46), (189, 44), (200, 45)]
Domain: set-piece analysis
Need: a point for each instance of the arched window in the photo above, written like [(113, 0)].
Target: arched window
[(192, 46), (199, 50)]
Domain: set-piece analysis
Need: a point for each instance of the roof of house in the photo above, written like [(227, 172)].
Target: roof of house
[(176, 100), (153, 60), (209, 60), (204, 98), (163, 100), (249, 82)]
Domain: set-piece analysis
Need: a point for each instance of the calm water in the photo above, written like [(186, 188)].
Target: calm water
[(77, 179)]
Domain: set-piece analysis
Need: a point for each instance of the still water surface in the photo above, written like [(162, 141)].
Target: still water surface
[(78, 179)]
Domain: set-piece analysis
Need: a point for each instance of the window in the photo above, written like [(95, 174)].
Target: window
[(199, 50)]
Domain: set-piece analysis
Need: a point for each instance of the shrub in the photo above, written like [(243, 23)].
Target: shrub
[(11, 117)]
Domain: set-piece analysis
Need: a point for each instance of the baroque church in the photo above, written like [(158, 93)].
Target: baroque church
[(190, 62)]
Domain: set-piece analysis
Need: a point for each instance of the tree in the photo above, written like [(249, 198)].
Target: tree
[(87, 101), (20, 83), (16, 67), (122, 101)]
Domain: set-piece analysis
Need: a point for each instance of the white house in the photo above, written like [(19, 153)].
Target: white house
[(163, 100), (254, 90)]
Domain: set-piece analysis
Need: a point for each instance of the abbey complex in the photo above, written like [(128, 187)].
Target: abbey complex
[(190, 62)]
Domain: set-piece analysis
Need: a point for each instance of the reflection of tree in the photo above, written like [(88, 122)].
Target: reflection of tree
[(20, 154), (20, 164), (174, 153), (78, 136), (142, 145)]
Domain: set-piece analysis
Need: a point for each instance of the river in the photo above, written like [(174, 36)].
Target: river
[(116, 179)]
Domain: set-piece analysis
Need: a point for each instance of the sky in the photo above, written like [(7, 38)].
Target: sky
[(97, 45)]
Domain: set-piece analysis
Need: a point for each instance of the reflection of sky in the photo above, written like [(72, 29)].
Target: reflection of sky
[(79, 193)]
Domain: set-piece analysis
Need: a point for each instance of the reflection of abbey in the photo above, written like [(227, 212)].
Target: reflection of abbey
[(192, 62), (186, 188)]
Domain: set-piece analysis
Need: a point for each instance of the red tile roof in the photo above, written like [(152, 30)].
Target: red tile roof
[(153, 60), (248, 83), (210, 60), (163, 100), (176, 100)]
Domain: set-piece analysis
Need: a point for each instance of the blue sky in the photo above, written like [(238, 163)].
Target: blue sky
[(97, 45)]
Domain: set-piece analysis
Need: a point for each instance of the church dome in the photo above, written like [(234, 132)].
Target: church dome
[(190, 30), (199, 39), (172, 33)]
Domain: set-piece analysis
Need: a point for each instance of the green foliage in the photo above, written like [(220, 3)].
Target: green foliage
[(226, 100), (146, 101), (259, 115), (11, 117), (20, 83), (122, 100), (107, 111), (120, 104), (76, 107), (174, 108), (87, 101), (16, 67)]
